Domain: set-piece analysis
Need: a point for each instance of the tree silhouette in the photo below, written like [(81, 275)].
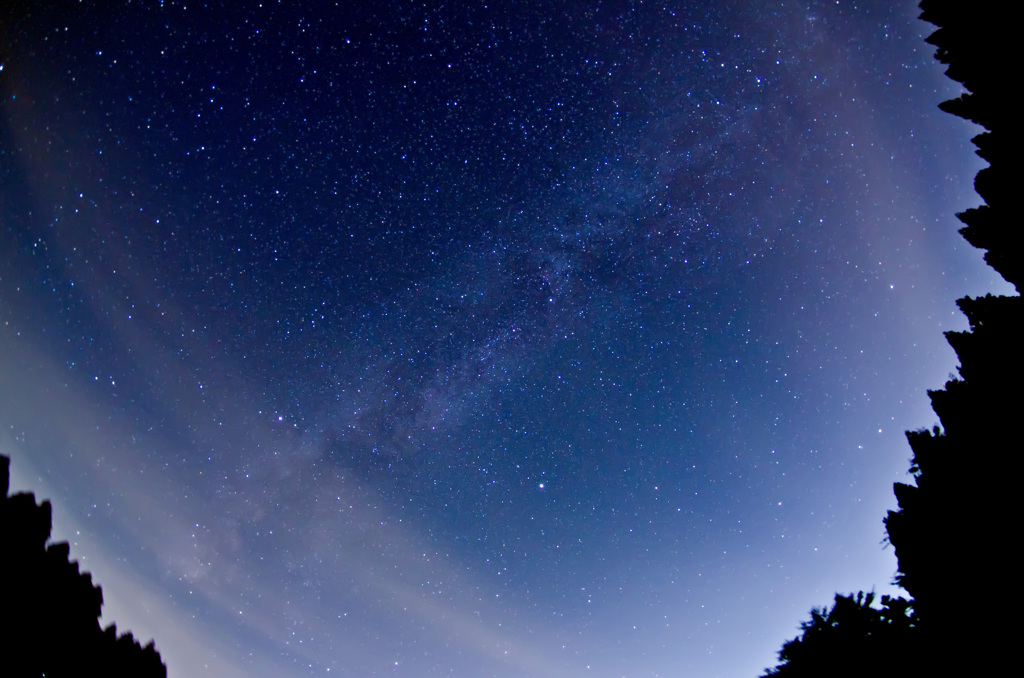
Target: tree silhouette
[(50, 609), (852, 638), (955, 523)]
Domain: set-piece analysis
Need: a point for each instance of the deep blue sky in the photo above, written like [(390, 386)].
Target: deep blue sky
[(474, 340)]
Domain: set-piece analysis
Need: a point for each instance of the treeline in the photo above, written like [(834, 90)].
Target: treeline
[(956, 523), (51, 610)]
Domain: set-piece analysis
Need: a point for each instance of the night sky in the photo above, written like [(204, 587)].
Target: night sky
[(466, 339)]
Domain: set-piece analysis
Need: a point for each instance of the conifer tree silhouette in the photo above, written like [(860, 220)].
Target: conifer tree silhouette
[(955, 525), (50, 615)]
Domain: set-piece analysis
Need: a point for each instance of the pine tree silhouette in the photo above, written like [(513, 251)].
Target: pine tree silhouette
[(955, 522), (50, 625), (953, 531)]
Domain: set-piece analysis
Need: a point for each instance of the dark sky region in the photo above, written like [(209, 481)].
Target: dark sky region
[(474, 339)]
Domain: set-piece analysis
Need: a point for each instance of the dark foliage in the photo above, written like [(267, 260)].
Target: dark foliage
[(852, 639), (51, 610), (974, 41), (956, 523)]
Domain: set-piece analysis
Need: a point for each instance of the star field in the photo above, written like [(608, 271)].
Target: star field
[(481, 340)]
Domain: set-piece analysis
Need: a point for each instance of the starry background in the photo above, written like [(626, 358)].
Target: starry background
[(473, 339)]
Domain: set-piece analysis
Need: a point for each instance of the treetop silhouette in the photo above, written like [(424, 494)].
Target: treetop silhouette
[(51, 609), (956, 521)]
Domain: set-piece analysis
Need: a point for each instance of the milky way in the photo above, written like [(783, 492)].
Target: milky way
[(474, 341)]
